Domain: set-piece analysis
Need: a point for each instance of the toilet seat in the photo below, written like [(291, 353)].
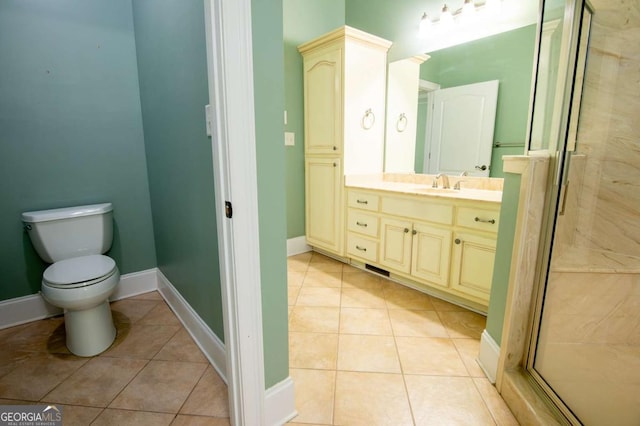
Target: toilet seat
[(79, 271)]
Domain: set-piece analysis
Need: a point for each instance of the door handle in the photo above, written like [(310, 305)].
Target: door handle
[(483, 167)]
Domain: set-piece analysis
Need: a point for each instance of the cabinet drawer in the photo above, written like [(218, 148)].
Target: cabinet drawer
[(362, 223), (480, 219), (419, 209), (363, 200), (362, 247)]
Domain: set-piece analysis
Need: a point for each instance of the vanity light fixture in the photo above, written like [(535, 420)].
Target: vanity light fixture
[(465, 14)]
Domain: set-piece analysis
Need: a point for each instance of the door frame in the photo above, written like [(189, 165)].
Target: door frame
[(232, 120)]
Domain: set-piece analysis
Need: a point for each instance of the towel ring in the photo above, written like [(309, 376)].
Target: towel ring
[(401, 124), (368, 119)]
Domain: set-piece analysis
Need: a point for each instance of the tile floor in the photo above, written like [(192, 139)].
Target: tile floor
[(366, 351), (363, 351), (153, 374)]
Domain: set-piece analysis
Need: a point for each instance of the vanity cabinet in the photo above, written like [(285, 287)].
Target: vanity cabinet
[(442, 244), (344, 110)]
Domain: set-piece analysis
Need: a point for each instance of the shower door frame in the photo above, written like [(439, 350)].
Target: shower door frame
[(573, 24)]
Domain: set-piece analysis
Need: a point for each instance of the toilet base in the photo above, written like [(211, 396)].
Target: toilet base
[(89, 331)]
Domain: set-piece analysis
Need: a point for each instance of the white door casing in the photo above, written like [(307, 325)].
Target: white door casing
[(460, 133)]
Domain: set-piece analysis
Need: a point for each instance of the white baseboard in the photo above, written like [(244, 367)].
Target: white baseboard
[(297, 245), (489, 355), (279, 403), (33, 307), (136, 283), (207, 341)]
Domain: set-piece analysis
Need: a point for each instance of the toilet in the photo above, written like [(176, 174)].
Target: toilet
[(80, 278)]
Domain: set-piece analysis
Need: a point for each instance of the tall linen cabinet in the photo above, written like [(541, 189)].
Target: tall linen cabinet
[(344, 116)]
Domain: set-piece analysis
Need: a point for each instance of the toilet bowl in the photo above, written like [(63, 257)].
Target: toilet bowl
[(82, 286), (80, 278)]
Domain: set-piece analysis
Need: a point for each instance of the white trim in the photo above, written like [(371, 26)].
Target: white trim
[(488, 356), (33, 307), (207, 341), (297, 245), (230, 77), (279, 403), (136, 283)]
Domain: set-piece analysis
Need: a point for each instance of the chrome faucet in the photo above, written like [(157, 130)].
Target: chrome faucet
[(445, 181), (464, 173)]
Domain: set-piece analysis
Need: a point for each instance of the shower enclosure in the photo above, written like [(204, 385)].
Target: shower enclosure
[(585, 344)]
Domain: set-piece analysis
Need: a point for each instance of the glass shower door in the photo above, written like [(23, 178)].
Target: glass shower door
[(587, 350)]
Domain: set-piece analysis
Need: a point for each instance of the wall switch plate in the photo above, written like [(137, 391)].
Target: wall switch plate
[(289, 138)]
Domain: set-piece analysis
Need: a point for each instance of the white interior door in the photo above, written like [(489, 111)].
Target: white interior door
[(460, 133)]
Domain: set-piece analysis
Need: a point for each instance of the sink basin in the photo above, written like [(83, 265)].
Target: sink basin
[(431, 190)]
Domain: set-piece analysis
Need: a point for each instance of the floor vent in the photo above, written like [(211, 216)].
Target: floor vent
[(376, 270)]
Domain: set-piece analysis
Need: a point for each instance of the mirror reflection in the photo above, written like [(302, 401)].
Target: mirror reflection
[(470, 126)]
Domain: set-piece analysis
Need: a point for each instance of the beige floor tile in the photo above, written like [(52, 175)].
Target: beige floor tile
[(10, 359), (497, 407), (365, 321), (314, 395), (318, 296), (316, 319), (320, 262), (209, 397), (292, 295), (323, 279), (299, 262), (141, 341), (444, 306), (407, 322), (162, 386), (38, 336), (469, 350), (401, 297), (160, 315), (429, 355), (461, 325), (184, 420), (446, 401), (295, 279), (363, 298), (371, 399), (77, 415), (313, 350), (37, 375), (110, 417), (360, 279), (181, 347), (376, 354), (133, 310), (152, 295), (97, 382)]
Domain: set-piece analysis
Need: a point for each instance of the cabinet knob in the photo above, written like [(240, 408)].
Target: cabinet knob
[(414, 232), (335, 165), (335, 148), (406, 230), (457, 241)]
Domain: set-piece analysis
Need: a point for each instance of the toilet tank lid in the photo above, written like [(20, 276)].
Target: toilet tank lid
[(66, 212)]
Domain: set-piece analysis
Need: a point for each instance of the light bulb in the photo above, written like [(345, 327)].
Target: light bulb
[(446, 18), (425, 25)]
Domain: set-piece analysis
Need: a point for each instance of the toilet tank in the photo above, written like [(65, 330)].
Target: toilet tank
[(68, 232)]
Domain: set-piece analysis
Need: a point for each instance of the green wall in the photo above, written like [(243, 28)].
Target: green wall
[(172, 65), (504, 247), (507, 57), (303, 20), (70, 128), (268, 65)]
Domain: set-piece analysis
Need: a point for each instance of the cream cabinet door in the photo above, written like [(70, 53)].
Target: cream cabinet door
[(431, 254), (472, 264), (323, 204), (323, 103), (396, 244)]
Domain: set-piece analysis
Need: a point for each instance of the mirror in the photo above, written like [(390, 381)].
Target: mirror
[(483, 52)]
